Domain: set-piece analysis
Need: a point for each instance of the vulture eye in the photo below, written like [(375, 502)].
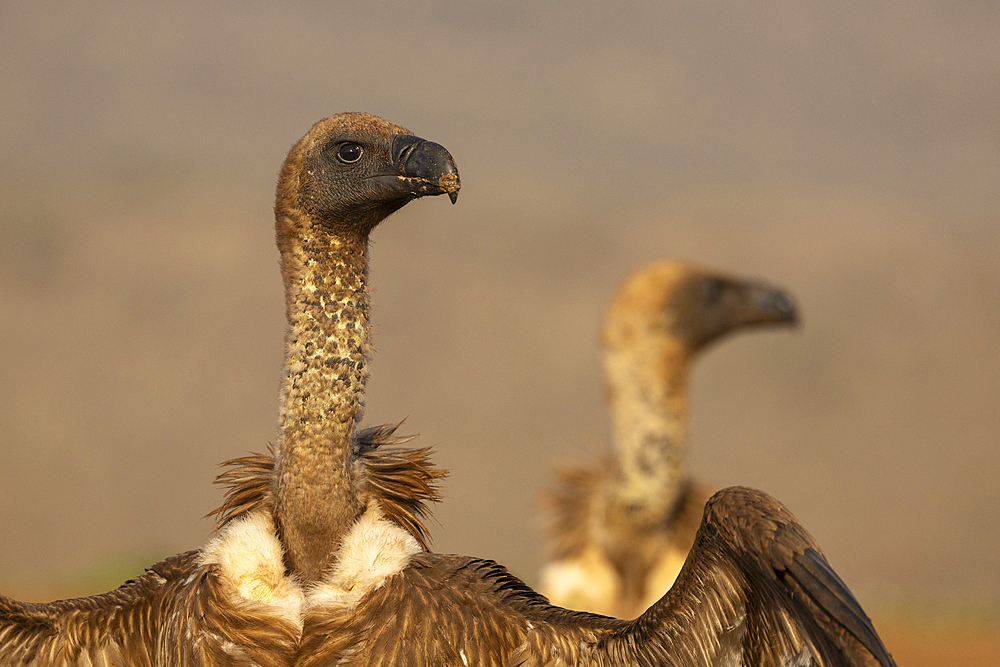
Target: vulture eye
[(714, 289), (349, 152)]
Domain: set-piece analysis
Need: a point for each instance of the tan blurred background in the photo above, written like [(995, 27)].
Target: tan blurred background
[(847, 151)]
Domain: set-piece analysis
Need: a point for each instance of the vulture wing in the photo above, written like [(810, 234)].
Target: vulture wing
[(755, 590), (174, 614)]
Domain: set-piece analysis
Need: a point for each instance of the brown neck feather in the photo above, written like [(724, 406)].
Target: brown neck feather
[(401, 481), (322, 393), (649, 405)]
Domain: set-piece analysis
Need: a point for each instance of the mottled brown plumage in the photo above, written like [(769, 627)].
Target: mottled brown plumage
[(621, 527), (180, 612), (234, 602), (756, 590)]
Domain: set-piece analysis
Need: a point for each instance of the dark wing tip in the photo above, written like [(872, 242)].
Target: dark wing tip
[(829, 592), (769, 543)]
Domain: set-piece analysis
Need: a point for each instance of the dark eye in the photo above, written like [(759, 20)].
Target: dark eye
[(349, 152), (714, 289)]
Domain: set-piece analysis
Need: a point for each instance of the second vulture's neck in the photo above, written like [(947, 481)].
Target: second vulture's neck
[(322, 394), (648, 398)]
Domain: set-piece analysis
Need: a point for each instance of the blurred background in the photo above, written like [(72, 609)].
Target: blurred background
[(849, 152)]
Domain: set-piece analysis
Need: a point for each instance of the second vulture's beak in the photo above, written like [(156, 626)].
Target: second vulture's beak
[(423, 168), (769, 305)]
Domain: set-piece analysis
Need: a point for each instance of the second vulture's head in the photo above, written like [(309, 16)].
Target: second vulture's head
[(353, 170), (681, 307)]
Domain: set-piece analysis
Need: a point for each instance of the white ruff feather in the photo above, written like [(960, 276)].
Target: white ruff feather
[(250, 563), (371, 552)]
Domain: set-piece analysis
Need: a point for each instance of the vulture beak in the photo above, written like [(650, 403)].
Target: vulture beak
[(769, 305), (420, 168)]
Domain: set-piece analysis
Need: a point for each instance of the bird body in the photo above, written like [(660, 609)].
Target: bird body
[(242, 598), (755, 589), (622, 527)]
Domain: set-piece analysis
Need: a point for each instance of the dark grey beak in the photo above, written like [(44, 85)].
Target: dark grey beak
[(425, 167), (768, 304)]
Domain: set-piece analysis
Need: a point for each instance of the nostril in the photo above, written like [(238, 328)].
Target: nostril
[(405, 152), (403, 146)]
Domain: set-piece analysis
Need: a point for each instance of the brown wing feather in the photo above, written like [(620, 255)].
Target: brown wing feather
[(401, 480), (174, 614), (756, 590), (447, 610), (248, 487), (757, 587)]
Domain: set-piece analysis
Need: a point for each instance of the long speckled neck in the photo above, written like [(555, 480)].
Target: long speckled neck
[(649, 406), (322, 394)]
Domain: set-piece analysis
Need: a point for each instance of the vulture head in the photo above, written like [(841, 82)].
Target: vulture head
[(687, 307), (352, 170)]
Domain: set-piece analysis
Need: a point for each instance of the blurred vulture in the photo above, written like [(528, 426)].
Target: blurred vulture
[(622, 526)]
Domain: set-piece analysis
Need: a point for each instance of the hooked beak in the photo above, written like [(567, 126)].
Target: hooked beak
[(420, 168), (769, 305)]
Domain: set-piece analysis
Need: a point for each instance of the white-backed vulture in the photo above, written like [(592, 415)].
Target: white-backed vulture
[(242, 598), (622, 526)]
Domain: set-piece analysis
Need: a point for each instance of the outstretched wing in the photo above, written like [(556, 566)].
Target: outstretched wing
[(756, 589), (174, 614), (69, 632)]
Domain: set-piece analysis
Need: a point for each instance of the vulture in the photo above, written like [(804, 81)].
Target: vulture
[(242, 598), (621, 526)]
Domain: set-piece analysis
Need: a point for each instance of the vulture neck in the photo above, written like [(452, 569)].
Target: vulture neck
[(649, 407), (322, 394)]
